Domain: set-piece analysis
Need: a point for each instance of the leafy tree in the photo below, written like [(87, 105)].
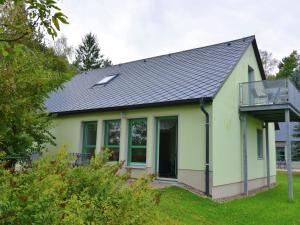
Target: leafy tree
[(26, 78), (269, 63), (88, 55), (288, 65), (289, 68), (44, 14), (295, 77), (28, 72), (62, 48), (53, 192)]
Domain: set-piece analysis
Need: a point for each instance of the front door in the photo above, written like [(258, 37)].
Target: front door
[(166, 165)]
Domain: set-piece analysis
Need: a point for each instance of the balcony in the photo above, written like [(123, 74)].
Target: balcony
[(268, 99)]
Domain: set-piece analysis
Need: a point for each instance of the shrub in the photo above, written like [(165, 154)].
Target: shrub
[(51, 191)]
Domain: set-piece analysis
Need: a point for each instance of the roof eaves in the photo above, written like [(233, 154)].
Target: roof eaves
[(259, 62), (147, 105)]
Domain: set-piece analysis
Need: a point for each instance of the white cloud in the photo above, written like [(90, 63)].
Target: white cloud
[(134, 29)]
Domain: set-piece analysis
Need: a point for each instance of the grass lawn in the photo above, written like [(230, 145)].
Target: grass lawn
[(269, 207)]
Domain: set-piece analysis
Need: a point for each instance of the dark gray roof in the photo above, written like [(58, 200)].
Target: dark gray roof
[(280, 134), (172, 78)]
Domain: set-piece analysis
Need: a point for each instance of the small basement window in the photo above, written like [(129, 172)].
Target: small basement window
[(105, 80)]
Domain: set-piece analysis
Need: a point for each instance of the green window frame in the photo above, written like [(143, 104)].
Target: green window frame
[(260, 146), (89, 142), (137, 142), (114, 147)]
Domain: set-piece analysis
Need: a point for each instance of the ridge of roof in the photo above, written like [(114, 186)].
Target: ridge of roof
[(173, 53)]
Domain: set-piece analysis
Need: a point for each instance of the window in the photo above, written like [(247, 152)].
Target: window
[(252, 89), (106, 79), (295, 151), (137, 141), (259, 143), (89, 139), (280, 154), (250, 74), (112, 138)]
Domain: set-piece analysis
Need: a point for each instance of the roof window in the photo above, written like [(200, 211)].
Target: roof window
[(106, 79)]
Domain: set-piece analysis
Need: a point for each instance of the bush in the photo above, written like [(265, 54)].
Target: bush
[(53, 192)]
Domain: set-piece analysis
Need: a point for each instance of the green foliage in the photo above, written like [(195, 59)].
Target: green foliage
[(53, 192), (88, 54), (295, 77), (40, 15), (62, 48), (288, 65), (29, 71), (26, 78), (290, 68)]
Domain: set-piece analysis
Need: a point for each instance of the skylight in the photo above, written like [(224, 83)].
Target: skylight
[(106, 79)]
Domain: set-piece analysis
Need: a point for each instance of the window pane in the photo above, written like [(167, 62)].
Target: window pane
[(138, 155), (139, 132), (280, 154), (115, 154), (113, 132), (90, 133), (296, 151), (259, 143)]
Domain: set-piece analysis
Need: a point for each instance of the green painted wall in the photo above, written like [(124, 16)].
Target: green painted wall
[(191, 132), (226, 130)]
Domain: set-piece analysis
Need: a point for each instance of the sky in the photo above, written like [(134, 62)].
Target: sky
[(135, 29)]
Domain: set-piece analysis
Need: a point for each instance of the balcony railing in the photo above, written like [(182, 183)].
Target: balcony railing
[(269, 92)]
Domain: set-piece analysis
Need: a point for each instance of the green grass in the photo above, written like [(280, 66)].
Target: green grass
[(268, 207)]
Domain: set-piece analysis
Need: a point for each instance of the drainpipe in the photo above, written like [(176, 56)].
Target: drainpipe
[(206, 146)]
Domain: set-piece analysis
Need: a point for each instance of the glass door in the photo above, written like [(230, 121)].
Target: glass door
[(166, 147)]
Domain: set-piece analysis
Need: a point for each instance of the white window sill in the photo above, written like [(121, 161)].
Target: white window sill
[(141, 167)]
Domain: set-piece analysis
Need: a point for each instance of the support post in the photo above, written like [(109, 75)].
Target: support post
[(245, 154), (268, 155), (289, 155)]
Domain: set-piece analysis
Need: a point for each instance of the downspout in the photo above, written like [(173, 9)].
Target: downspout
[(206, 146)]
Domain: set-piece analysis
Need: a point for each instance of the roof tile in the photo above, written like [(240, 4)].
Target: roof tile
[(185, 75)]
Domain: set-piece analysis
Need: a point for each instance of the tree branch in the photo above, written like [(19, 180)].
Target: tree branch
[(14, 39)]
